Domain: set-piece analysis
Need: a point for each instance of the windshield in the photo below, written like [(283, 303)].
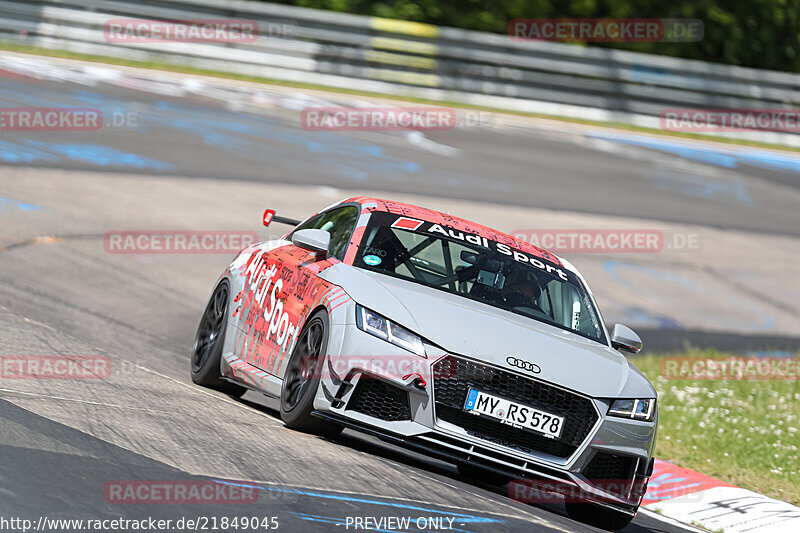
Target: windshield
[(480, 269)]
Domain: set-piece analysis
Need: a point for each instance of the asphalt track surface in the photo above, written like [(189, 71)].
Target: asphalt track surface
[(738, 291), (201, 164), (63, 440), (546, 167)]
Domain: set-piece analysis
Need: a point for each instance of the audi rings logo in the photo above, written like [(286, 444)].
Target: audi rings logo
[(524, 365)]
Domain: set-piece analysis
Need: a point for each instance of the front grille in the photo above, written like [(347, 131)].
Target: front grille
[(453, 376), (482, 456), (607, 466), (375, 397)]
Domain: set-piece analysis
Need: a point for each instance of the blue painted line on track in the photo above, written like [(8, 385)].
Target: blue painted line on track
[(17, 153), (727, 158), (237, 133), (22, 206), (464, 518), (100, 155)]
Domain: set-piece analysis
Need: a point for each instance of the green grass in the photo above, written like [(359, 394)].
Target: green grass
[(743, 432), (228, 75)]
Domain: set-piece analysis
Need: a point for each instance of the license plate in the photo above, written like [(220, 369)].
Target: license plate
[(513, 413)]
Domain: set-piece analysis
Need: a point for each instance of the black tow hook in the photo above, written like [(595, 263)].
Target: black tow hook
[(419, 382)]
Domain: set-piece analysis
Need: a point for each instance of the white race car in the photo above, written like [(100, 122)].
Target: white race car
[(443, 336)]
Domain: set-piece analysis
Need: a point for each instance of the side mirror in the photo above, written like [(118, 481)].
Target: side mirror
[(624, 339), (315, 240)]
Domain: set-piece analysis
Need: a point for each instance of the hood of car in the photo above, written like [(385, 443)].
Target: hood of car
[(473, 329)]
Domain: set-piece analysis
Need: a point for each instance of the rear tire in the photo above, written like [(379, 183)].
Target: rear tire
[(209, 341), (302, 377), (597, 516)]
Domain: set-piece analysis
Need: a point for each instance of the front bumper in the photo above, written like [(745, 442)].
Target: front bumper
[(607, 460)]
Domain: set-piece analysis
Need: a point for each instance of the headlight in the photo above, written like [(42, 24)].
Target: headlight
[(374, 324), (639, 409)]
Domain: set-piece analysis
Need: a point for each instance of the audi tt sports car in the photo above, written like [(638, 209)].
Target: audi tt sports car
[(441, 335)]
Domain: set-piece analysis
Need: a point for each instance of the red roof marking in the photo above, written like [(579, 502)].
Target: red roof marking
[(407, 223), (460, 224)]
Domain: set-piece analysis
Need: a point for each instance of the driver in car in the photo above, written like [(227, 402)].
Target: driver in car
[(521, 289)]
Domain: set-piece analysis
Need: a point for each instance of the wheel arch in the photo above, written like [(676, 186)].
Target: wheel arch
[(313, 311)]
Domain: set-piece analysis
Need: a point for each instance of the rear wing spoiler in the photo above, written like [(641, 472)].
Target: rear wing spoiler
[(270, 216)]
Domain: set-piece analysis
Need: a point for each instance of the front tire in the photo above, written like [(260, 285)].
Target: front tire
[(598, 516), (209, 341), (302, 377)]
